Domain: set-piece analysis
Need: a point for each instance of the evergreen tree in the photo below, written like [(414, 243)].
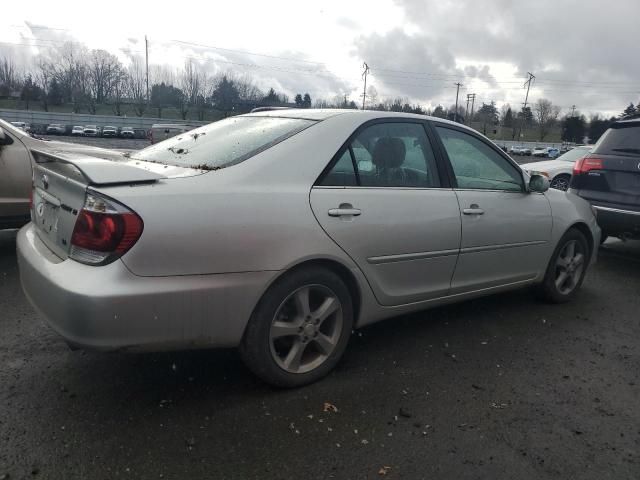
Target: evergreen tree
[(630, 110), (298, 100), (306, 101)]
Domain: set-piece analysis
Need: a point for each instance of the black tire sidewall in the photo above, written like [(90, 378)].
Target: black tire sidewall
[(255, 347), (549, 289)]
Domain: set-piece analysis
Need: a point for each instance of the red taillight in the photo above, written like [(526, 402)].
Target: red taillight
[(587, 164), (104, 231)]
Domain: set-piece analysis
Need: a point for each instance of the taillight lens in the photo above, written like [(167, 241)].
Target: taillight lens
[(104, 231), (587, 164)]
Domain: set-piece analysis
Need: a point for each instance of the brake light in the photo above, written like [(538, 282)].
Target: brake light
[(587, 164), (104, 231)]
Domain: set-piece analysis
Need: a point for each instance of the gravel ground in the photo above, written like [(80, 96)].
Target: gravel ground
[(500, 387)]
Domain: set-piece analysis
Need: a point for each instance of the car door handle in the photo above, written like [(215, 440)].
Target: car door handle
[(343, 212), (473, 210)]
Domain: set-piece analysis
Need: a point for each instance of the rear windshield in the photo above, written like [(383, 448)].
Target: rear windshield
[(620, 139), (223, 143), (574, 154)]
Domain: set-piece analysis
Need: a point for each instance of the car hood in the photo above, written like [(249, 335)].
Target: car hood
[(547, 165)]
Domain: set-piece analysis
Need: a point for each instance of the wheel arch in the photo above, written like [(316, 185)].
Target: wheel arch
[(586, 231), (333, 265)]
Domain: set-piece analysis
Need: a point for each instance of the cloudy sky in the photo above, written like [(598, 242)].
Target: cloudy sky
[(582, 52)]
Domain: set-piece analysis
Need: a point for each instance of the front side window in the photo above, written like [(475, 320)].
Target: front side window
[(476, 165), (386, 155), (223, 143)]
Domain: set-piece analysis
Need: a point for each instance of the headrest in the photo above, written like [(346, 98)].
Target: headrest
[(389, 152)]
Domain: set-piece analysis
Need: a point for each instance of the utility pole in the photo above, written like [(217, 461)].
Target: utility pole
[(455, 115), (466, 110), (473, 101), (526, 99), (573, 110), (364, 90), (146, 56)]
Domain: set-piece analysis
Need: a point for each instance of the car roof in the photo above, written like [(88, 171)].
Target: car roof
[(322, 114)]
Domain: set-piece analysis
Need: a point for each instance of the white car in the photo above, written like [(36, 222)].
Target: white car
[(77, 130), (90, 131), (559, 171)]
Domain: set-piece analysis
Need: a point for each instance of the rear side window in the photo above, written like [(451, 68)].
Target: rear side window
[(620, 139), (223, 143), (395, 154)]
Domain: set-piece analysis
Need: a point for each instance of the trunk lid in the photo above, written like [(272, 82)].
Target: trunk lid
[(61, 181)]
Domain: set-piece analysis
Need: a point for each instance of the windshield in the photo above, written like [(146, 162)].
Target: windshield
[(574, 154), (223, 143), (620, 139)]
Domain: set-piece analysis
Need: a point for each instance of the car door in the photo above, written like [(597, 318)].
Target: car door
[(383, 201), (505, 228), (15, 180)]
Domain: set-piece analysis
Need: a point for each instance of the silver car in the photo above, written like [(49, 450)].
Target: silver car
[(279, 232)]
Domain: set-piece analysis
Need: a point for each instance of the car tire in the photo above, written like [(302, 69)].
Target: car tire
[(300, 328), (561, 182), (567, 268)]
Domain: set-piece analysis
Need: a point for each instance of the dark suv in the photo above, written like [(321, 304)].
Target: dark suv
[(609, 178)]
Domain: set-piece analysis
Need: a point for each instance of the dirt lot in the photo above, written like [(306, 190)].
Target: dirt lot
[(501, 387)]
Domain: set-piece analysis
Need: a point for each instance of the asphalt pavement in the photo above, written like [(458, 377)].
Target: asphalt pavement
[(499, 387)]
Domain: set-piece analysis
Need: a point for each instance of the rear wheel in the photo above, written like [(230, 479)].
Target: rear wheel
[(567, 268), (300, 328), (561, 182)]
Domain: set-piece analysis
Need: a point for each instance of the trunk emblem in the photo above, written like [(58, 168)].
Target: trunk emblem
[(45, 182)]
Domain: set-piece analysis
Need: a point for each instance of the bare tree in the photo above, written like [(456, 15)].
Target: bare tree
[(9, 77), (191, 84), (372, 95), (137, 85), (103, 69), (70, 69), (42, 78), (546, 114), (118, 89)]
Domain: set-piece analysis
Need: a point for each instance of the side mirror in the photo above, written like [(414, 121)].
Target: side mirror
[(538, 183)]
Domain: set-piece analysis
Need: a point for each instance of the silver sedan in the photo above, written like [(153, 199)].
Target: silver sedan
[(279, 232)]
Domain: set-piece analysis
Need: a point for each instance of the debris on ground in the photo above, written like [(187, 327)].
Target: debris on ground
[(499, 405), (384, 470), (404, 413), (330, 407)]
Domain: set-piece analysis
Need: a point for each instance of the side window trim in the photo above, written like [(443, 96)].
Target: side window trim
[(354, 164), (449, 166)]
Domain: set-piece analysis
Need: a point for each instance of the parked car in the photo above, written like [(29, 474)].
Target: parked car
[(609, 178), (559, 171), (127, 132), (162, 131), (109, 131), (281, 231), (90, 131), (77, 131), (539, 152), (56, 129), (21, 125), (520, 150), (16, 170)]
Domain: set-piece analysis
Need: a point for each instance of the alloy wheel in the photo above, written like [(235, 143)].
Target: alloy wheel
[(306, 328), (569, 267)]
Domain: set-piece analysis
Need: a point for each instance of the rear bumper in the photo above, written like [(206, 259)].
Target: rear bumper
[(618, 221), (109, 308)]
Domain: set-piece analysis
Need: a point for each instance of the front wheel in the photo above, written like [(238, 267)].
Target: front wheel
[(561, 182), (567, 268), (299, 329)]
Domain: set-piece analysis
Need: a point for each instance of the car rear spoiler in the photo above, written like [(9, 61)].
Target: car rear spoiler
[(98, 171)]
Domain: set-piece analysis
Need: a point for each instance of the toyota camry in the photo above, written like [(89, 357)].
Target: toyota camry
[(279, 232)]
